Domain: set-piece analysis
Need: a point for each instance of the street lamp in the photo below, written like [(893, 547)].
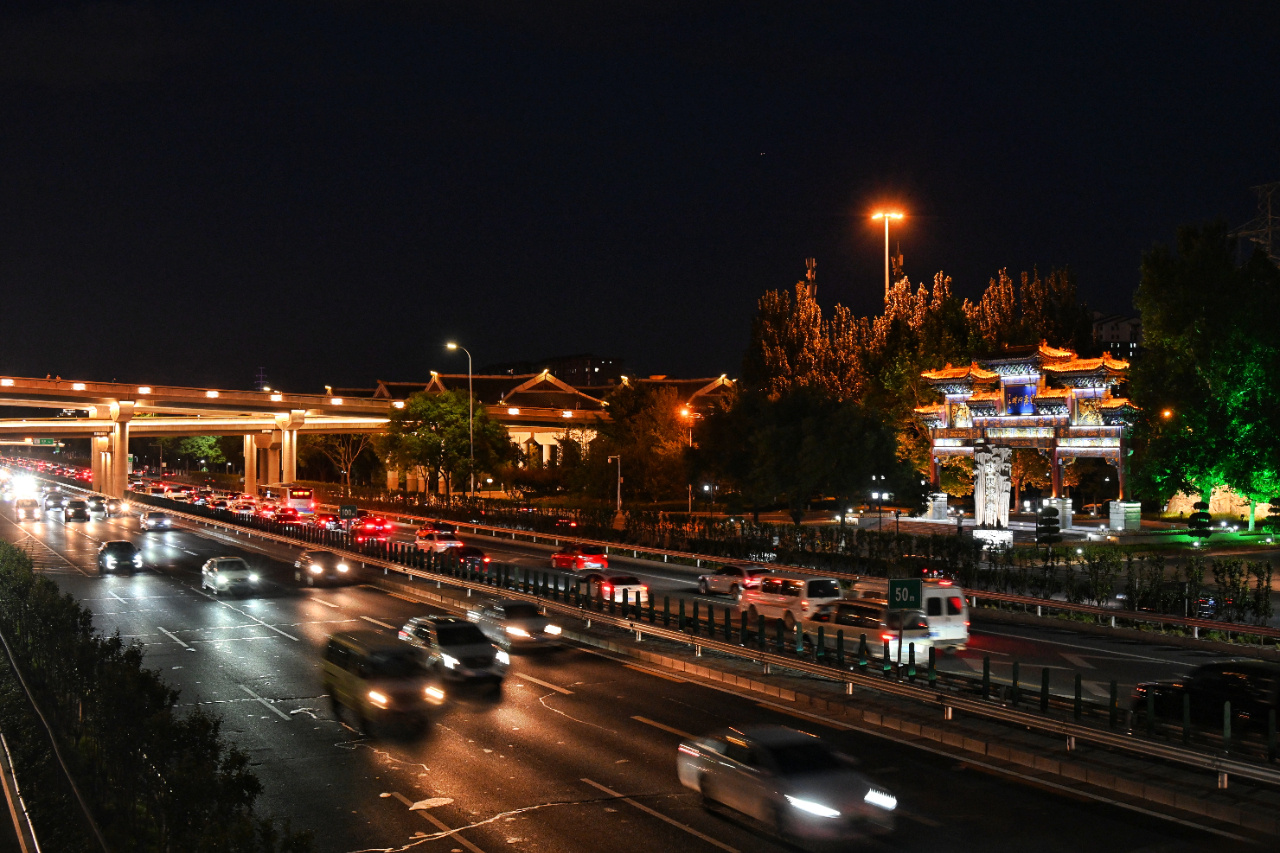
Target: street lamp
[(886, 216), (688, 416), (618, 458), (471, 415)]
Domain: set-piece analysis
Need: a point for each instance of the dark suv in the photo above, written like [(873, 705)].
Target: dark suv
[(119, 555), (313, 567), (1251, 686)]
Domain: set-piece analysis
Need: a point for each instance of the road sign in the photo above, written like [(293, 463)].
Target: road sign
[(348, 512), (47, 442), (905, 593)]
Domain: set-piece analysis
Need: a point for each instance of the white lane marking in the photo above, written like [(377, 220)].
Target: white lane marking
[(545, 684), (248, 616), (379, 622), (1097, 651), (116, 597), (1077, 661), (175, 639), (281, 714), (662, 817), (326, 603), (658, 725), (192, 553), (437, 823)]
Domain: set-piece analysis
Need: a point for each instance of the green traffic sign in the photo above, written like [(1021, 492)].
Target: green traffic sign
[(905, 593), (47, 442), (348, 512)]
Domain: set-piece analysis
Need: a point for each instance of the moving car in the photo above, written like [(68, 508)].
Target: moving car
[(371, 529), (516, 624), (580, 558), (793, 782), (379, 680), (27, 508), (243, 508), (1251, 686), (54, 502), (315, 567), (731, 580), (435, 541), (874, 619), (471, 557), (791, 598), (289, 515), (155, 521), (617, 588), (119, 555), (944, 609), (325, 521), (228, 574), (76, 510), (457, 651)]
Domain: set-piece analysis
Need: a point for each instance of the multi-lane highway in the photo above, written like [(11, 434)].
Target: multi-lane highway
[(577, 754)]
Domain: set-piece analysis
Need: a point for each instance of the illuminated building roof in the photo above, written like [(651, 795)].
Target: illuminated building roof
[(971, 372)]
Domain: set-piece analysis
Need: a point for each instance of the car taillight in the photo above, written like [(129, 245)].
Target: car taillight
[(404, 635), (606, 588), (944, 583), (486, 559), (887, 637), (804, 603)]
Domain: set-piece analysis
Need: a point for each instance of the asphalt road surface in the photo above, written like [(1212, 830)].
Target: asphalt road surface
[(576, 755)]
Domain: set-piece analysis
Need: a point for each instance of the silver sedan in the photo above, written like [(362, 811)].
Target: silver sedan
[(795, 783), (516, 624), (731, 580)]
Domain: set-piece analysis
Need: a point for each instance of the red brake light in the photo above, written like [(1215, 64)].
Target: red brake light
[(944, 583), (804, 603), (606, 587), (887, 637), (486, 559)]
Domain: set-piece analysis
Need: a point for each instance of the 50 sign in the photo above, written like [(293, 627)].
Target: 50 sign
[(905, 594)]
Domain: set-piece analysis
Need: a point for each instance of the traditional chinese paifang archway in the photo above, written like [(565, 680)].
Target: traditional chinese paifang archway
[(1037, 397)]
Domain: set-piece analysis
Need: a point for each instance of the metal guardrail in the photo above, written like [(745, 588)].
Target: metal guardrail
[(948, 702)]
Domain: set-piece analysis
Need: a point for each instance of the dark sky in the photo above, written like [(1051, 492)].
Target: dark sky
[(330, 190)]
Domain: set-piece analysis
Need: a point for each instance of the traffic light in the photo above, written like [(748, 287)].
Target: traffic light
[(1198, 524), (1047, 527)]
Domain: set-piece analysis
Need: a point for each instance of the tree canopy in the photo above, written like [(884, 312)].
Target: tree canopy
[(431, 432)]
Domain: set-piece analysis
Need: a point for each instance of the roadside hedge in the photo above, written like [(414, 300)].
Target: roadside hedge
[(153, 778)]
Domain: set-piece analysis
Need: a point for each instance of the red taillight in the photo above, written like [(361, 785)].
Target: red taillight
[(804, 603), (404, 635), (888, 637), (606, 588), (944, 583), (966, 623), (486, 559)]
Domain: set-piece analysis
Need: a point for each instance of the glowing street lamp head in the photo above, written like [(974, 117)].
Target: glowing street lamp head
[(886, 215), (1166, 414), (451, 345)]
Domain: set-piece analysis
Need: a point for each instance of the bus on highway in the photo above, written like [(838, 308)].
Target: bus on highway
[(301, 498)]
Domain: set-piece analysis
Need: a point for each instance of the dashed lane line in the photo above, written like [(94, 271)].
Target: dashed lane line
[(557, 688), (660, 816), (174, 638), (437, 823), (665, 728), (281, 714), (380, 623)]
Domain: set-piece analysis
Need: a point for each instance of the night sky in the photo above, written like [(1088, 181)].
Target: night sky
[(331, 190)]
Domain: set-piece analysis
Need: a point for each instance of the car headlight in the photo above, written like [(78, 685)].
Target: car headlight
[(811, 807), (553, 629), (881, 799), (449, 661), (435, 694), (378, 699), (111, 561), (502, 657), (342, 567), (222, 580), (517, 632), (137, 559), (253, 577), (315, 569)]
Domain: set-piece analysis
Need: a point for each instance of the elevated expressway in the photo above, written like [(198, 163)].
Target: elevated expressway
[(114, 412)]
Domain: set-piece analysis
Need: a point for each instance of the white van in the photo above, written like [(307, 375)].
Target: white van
[(944, 608), (791, 598)]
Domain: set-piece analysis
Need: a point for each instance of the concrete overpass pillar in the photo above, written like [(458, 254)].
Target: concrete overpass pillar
[(393, 479), (273, 465), (250, 465), (99, 447), (118, 479), (289, 455)]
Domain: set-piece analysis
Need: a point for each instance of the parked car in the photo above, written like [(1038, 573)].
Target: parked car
[(1251, 686), (793, 782), (457, 651), (614, 587), (313, 567), (119, 555), (731, 580), (155, 521), (580, 558), (379, 680), (228, 574), (516, 624)]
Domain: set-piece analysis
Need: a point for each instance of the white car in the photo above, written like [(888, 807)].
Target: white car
[(243, 508), (795, 783), (228, 574), (616, 588), (155, 521), (436, 540), (731, 580)]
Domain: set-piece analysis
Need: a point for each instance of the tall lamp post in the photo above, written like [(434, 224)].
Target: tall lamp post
[(618, 459), (886, 216), (471, 415), (688, 417)]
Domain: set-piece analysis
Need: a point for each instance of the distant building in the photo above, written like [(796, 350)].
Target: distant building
[(582, 370), (1118, 334)]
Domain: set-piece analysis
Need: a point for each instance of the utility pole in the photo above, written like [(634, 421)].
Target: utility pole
[(618, 459)]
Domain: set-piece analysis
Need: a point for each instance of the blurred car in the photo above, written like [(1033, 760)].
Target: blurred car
[(27, 508), (435, 541), (516, 624), (76, 510), (119, 555), (155, 521), (471, 557), (379, 680), (1251, 686), (97, 503), (580, 557), (267, 511), (457, 651), (616, 588), (795, 783), (220, 503), (289, 515), (369, 529), (228, 574), (325, 521), (437, 526), (243, 509), (115, 507), (54, 502), (731, 580), (315, 567)]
